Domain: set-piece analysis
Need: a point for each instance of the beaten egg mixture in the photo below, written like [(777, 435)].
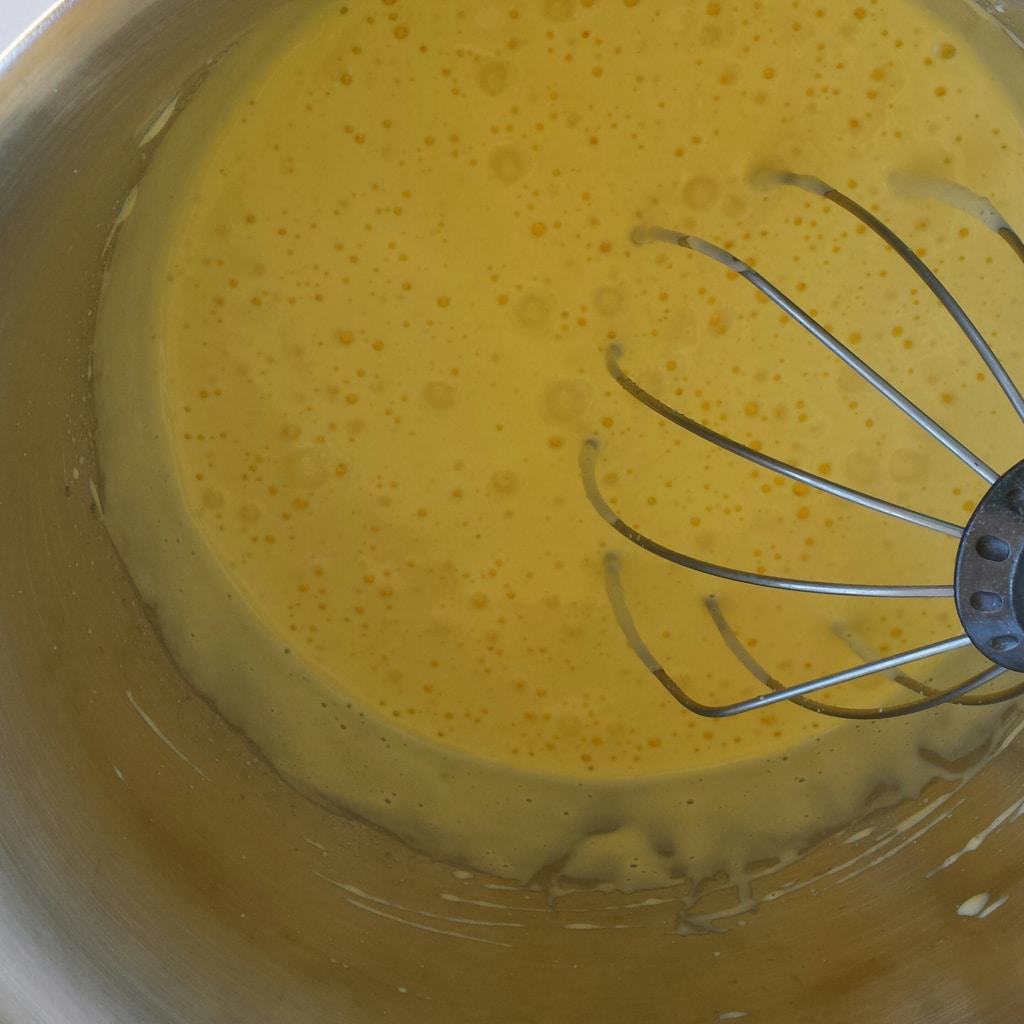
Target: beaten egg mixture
[(354, 339)]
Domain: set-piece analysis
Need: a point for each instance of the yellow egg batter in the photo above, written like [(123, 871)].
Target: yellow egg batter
[(353, 341)]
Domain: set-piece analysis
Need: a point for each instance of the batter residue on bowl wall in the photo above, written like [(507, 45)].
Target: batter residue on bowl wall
[(352, 341)]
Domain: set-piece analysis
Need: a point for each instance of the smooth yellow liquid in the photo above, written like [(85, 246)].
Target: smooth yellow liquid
[(386, 292)]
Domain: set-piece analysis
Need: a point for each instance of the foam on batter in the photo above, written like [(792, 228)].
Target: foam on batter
[(352, 342)]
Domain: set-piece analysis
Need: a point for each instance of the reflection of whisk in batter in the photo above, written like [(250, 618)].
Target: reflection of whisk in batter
[(988, 577)]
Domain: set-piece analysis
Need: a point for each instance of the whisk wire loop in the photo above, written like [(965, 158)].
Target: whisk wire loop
[(987, 566)]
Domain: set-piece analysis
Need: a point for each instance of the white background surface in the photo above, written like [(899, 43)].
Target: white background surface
[(16, 15)]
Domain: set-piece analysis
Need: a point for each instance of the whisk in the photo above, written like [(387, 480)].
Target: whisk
[(988, 572)]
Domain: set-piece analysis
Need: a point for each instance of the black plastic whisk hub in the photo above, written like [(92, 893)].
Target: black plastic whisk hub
[(988, 581)]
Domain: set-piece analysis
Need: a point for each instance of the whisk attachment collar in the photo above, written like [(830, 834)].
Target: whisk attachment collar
[(989, 576)]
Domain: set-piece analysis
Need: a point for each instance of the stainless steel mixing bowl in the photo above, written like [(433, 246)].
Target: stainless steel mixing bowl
[(154, 869)]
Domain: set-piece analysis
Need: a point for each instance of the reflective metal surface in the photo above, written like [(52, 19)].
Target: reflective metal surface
[(154, 869)]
